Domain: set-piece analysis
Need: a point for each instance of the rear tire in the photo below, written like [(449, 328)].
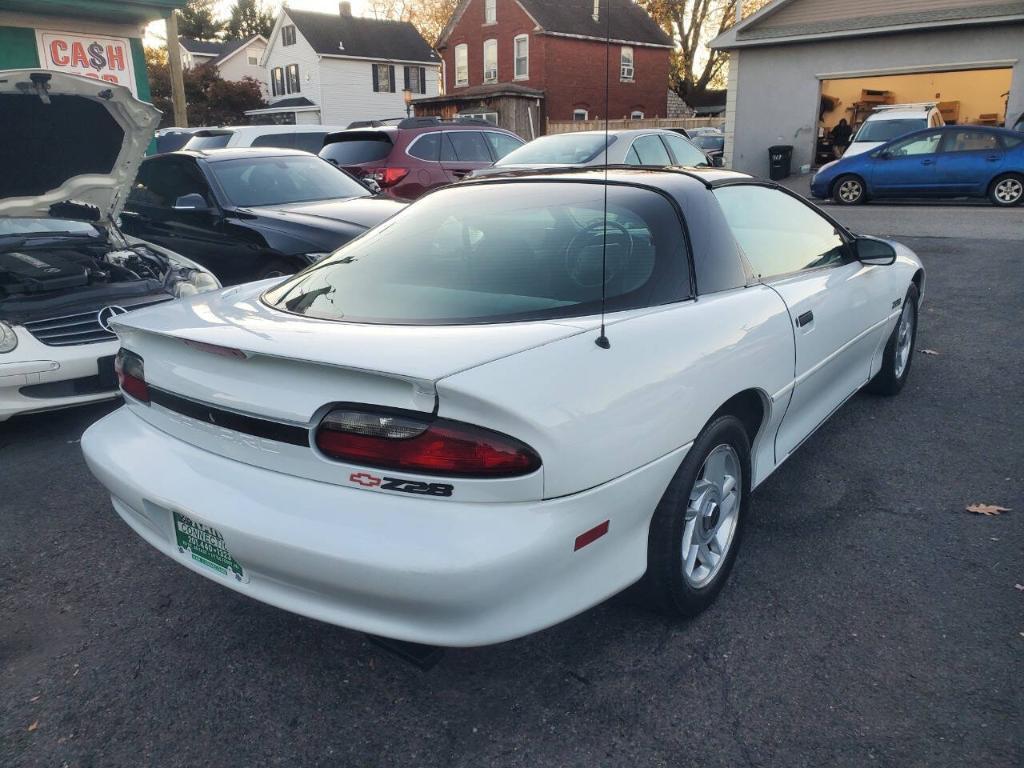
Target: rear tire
[(1007, 190), (701, 514), (899, 350), (849, 190)]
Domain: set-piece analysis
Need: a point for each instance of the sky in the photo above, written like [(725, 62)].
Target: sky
[(156, 32)]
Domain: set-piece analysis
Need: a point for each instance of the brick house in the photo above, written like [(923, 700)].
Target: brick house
[(553, 55)]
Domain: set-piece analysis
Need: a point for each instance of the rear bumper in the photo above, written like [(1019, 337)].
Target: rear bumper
[(430, 571), (33, 364)]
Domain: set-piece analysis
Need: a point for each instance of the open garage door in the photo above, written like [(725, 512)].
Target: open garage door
[(975, 96)]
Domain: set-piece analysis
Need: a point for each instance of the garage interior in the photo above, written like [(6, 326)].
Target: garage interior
[(975, 97)]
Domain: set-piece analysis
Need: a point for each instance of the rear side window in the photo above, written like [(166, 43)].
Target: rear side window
[(432, 146), (470, 147), (357, 148), (281, 140), (971, 141), (779, 234), (501, 144), (487, 253), (648, 150), (209, 140), (309, 141)]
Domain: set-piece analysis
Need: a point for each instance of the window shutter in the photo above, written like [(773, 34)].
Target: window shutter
[(391, 76), (406, 72), (423, 79), (376, 80)]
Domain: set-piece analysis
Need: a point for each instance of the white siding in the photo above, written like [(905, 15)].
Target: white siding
[(238, 66), (301, 53), (347, 90)]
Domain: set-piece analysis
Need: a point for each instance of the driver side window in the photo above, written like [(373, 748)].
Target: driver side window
[(160, 183), (779, 234), (925, 144)]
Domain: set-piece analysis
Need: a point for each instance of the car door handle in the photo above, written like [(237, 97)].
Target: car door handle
[(927, 162), (461, 174), (805, 319), (993, 158)]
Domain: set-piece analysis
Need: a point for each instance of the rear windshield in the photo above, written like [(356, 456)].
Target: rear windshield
[(563, 149), (204, 140), (357, 149), (887, 130), (501, 253)]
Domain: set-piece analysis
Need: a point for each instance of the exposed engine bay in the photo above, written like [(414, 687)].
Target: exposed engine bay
[(45, 275)]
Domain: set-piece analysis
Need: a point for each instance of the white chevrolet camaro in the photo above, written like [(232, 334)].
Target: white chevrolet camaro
[(69, 150), (427, 437)]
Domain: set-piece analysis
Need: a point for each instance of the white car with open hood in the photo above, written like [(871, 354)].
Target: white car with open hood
[(69, 150), (432, 436)]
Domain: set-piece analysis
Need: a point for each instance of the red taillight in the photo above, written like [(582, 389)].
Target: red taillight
[(422, 445), (131, 374), (388, 177)]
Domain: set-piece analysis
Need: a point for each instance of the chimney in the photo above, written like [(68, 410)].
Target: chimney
[(345, 8)]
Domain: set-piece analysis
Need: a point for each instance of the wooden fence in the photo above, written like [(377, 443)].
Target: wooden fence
[(567, 126)]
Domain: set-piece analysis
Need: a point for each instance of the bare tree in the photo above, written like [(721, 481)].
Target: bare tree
[(692, 24), (428, 16)]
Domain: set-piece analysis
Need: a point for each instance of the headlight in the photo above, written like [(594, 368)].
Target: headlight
[(8, 339), (193, 281)]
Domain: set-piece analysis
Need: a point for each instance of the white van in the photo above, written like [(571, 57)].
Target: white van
[(890, 121), (307, 137)]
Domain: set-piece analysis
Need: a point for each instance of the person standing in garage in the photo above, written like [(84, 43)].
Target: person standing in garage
[(841, 137)]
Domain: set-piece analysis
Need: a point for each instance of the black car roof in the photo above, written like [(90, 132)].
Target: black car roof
[(217, 155)]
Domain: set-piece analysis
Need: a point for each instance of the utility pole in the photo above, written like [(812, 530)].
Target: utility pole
[(174, 69)]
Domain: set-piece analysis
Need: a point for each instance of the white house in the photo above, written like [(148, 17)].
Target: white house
[(234, 59), (337, 68)]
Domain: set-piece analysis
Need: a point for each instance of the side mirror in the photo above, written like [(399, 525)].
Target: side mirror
[(372, 185), (871, 250), (193, 201)]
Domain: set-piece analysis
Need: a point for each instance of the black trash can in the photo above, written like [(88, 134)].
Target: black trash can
[(779, 158)]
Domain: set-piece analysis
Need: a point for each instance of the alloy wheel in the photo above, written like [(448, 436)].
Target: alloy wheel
[(1009, 191), (850, 191), (904, 339), (712, 513)]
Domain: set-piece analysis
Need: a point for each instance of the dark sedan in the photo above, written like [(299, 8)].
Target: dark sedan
[(248, 214)]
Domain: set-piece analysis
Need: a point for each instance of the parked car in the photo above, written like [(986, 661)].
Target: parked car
[(713, 145), (69, 147), (248, 214), (705, 131), (646, 147), (953, 161), (420, 153), (308, 138), (890, 121), (516, 398)]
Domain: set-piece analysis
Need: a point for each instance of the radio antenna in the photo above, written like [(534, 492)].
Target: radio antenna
[(602, 340)]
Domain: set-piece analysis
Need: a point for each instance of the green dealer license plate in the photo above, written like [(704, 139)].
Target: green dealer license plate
[(205, 545)]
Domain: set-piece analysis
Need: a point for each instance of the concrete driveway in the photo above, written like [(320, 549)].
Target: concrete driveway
[(870, 620)]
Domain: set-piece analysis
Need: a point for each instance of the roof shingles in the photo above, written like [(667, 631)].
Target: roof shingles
[(336, 35), (628, 21)]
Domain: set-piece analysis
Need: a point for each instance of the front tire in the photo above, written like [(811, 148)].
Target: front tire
[(899, 350), (1007, 190), (696, 529), (849, 190)]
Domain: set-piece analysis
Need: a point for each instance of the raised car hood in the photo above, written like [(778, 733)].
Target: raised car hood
[(68, 138)]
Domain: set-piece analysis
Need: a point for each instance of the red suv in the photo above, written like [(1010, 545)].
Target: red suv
[(419, 153)]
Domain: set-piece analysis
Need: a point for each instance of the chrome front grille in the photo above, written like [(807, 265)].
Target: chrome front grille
[(79, 328)]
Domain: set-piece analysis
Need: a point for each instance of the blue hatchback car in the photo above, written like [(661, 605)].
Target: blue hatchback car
[(952, 161)]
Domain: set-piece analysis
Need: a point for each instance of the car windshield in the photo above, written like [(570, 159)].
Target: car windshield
[(254, 181), (562, 149), (488, 253), (887, 130), (25, 226), (208, 140), (708, 141)]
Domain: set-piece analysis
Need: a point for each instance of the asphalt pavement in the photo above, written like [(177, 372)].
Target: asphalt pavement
[(870, 621)]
